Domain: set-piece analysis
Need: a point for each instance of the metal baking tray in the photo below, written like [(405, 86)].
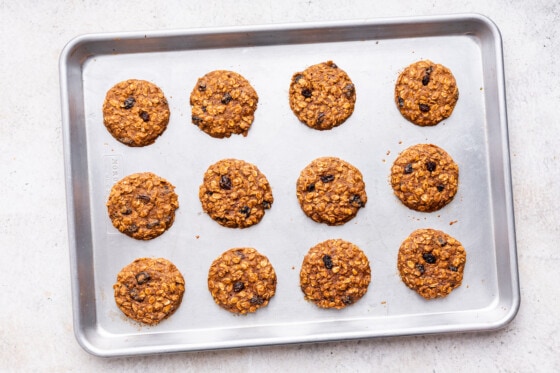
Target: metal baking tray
[(372, 52)]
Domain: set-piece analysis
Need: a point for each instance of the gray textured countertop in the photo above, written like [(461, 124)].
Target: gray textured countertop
[(36, 332)]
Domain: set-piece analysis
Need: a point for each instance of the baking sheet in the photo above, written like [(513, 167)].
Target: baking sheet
[(372, 52)]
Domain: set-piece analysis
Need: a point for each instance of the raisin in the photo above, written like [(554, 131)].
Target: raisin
[(453, 268), (349, 90), (429, 258), (136, 295), (202, 87), (297, 78), (357, 200), (426, 78), (240, 254), (246, 210), (226, 98), (420, 268), (347, 299), (401, 102), (440, 188), (310, 188), (129, 102), (408, 168), (127, 212), (238, 286), (196, 120), (256, 300), (225, 182), (320, 118), (441, 241), (333, 65), (131, 228), (143, 197), (327, 261), (145, 116), (204, 109), (306, 92), (266, 204), (431, 166), (142, 277), (153, 224), (424, 108), (327, 178)]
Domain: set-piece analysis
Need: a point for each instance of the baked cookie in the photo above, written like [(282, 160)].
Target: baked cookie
[(235, 193), (322, 96), (142, 205), (335, 274), (223, 103), (242, 280), (431, 263), (331, 191), (424, 177), (135, 112), (149, 290), (426, 93)]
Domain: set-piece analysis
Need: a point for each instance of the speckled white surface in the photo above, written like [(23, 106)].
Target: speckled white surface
[(35, 313)]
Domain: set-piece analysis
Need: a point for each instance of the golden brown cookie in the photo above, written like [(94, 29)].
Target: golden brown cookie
[(135, 112), (149, 290), (235, 193), (424, 177), (334, 274), (242, 280), (331, 191), (431, 263), (322, 96), (426, 93), (223, 103), (142, 205)]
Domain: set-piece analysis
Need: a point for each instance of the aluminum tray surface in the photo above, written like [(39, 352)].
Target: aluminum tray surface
[(373, 53)]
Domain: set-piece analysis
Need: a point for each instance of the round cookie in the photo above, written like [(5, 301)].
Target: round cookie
[(149, 290), (242, 280), (424, 177), (431, 263), (235, 193), (142, 205), (331, 191), (223, 103), (334, 274), (322, 96), (135, 112), (426, 93)]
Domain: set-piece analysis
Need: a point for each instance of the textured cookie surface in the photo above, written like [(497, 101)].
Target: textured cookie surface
[(242, 280), (149, 290), (424, 177), (235, 193), (334, 274), (322, 96), (426, 93), (142, 205), (223, 103), (135, 112), (431, 263), (331, 191)]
